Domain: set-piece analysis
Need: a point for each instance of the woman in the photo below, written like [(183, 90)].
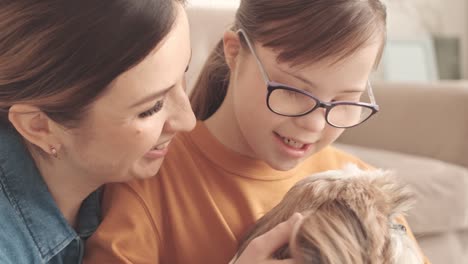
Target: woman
[(91, 92)]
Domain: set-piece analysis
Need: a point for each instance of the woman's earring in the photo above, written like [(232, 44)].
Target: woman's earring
[(53, 150)]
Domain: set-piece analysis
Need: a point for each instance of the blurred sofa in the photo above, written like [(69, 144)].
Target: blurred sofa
[(421, 133)]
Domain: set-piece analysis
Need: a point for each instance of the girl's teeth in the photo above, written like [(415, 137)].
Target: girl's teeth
[(160, 147), (292, 143)]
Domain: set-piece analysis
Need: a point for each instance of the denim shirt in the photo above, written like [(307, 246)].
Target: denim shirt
[(32, 228)]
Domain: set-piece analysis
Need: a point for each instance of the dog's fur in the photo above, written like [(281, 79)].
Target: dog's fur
[(349, 218)]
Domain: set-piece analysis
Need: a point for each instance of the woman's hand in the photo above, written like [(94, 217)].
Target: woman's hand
[(260, 249)]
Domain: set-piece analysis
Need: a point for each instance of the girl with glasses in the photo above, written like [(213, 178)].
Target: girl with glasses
[(278, 89)]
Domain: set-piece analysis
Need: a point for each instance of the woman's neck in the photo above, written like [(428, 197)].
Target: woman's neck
[(67, 188)]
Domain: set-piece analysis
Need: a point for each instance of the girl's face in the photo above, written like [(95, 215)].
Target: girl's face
[(127, 130), (283, 142)]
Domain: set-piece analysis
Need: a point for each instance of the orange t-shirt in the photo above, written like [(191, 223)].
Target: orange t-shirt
[(198, 207)]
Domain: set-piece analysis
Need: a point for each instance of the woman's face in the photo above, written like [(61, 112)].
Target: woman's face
[(128, 129), (284, 142)]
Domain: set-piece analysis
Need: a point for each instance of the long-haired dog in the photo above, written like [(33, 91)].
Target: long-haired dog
[(349, 218)]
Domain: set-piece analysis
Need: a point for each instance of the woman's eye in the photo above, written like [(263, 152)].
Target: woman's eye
[(158, 106)]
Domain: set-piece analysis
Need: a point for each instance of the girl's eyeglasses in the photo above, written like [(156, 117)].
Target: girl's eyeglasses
[(285, 100)]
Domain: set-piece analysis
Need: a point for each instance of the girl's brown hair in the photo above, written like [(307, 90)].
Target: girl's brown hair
[(350, 217), (303, 31), (61, 55)]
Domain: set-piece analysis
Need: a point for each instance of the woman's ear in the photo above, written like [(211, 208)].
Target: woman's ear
[(232, 48), (35, 126)]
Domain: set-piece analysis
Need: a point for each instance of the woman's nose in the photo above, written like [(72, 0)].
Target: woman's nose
[(181, 117)]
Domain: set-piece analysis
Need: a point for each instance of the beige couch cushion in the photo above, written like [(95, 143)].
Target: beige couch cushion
[(440, 187), (429, 120), (445, 248)]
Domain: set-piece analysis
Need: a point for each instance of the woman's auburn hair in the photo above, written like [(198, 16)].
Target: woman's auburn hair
[(61, 55)]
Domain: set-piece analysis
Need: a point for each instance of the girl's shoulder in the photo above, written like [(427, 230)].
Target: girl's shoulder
[(332, 157)]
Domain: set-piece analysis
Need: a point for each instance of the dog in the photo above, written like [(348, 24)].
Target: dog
[(349, 217)]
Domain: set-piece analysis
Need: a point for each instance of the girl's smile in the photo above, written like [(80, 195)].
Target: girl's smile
[(292, 147)]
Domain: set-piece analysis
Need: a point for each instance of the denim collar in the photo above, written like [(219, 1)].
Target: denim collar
[(29, 196)]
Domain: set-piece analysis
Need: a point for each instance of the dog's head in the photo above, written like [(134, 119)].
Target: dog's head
[(349, 217)]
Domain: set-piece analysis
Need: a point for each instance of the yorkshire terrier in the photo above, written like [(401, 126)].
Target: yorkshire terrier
[(349, 217)]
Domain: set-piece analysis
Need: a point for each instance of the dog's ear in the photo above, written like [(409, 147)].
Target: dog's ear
[(376, 197), (401, 249), (397, 196), (380, 189)]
